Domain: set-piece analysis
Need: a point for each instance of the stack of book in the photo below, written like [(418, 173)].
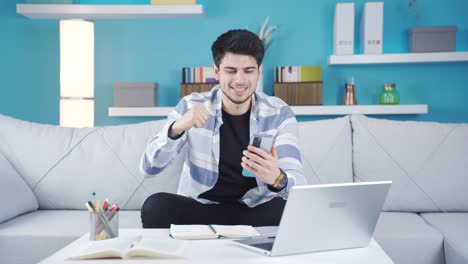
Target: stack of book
[(299, 85), (173, 2), (198, 75), (197, 80)]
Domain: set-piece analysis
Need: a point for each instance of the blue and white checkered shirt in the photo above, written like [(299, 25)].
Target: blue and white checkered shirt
[(268, 115)]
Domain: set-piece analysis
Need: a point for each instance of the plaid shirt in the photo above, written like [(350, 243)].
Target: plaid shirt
[(268, 115)]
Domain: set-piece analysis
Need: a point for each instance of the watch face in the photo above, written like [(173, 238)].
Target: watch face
[(283, 181)]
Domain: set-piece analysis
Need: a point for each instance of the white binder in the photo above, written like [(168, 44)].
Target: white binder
[(372, 28), (343, 29)]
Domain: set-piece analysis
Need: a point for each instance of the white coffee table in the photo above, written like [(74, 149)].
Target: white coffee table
[(226, 251)]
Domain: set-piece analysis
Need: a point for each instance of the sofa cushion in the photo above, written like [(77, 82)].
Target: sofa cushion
[(43, 232), (454, 227), (15, 195), (323, 145), (64, 166), (407, 239), (426, 161)]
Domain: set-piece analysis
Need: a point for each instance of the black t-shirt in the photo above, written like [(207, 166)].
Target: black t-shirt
[(234, 138)]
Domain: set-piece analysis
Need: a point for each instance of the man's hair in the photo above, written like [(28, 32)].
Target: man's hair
[(238, 41)]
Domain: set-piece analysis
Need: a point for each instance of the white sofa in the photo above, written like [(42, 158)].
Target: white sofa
[(48, 172)]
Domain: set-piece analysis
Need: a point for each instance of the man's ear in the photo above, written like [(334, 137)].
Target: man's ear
[(260, 69), (216, 71)]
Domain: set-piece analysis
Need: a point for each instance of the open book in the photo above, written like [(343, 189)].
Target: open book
[(212, 231), (129, 247)]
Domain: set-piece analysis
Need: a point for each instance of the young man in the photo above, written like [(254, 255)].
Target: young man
[(217, 126)]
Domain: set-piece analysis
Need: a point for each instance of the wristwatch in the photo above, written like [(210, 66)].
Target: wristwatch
[(280, 181)]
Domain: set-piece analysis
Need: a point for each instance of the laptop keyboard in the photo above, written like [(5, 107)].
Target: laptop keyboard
[(267, 246)]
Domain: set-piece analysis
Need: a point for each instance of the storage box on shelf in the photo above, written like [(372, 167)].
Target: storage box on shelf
[(300, 93), (135, 94), (188, 88), (432, 39)]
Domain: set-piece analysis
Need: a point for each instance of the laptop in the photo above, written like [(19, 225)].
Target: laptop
[(325, 217)]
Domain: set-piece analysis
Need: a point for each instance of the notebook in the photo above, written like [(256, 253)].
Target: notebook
[(212, 231)]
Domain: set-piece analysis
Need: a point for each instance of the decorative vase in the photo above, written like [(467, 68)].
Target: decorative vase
[(350, 93), (389, 94)]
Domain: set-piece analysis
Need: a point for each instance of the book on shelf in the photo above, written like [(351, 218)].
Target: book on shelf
[(198, 75), (212, 231), (173, 2), (131, 247), (298, 74)]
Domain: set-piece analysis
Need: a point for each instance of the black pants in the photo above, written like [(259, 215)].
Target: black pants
[(160, 210)]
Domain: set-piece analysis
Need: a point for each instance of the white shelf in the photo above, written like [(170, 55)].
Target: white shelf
[(298, 110), (398, 58), (44, 11), (360, 109)]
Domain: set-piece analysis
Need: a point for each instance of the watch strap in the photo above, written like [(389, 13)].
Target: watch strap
[(280, 183)]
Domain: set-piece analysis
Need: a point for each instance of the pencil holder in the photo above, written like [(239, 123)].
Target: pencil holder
[(103, 225)]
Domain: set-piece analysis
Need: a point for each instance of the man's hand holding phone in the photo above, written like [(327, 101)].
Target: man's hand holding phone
[(196, 117), (260, 162)]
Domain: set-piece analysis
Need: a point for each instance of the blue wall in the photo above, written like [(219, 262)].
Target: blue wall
[(156, 50)]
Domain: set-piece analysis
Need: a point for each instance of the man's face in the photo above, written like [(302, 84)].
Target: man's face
[(238, 76)]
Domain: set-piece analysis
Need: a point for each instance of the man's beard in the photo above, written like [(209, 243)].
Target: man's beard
[(238, 102)]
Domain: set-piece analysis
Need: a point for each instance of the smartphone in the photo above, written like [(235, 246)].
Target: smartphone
[(262, 141)]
